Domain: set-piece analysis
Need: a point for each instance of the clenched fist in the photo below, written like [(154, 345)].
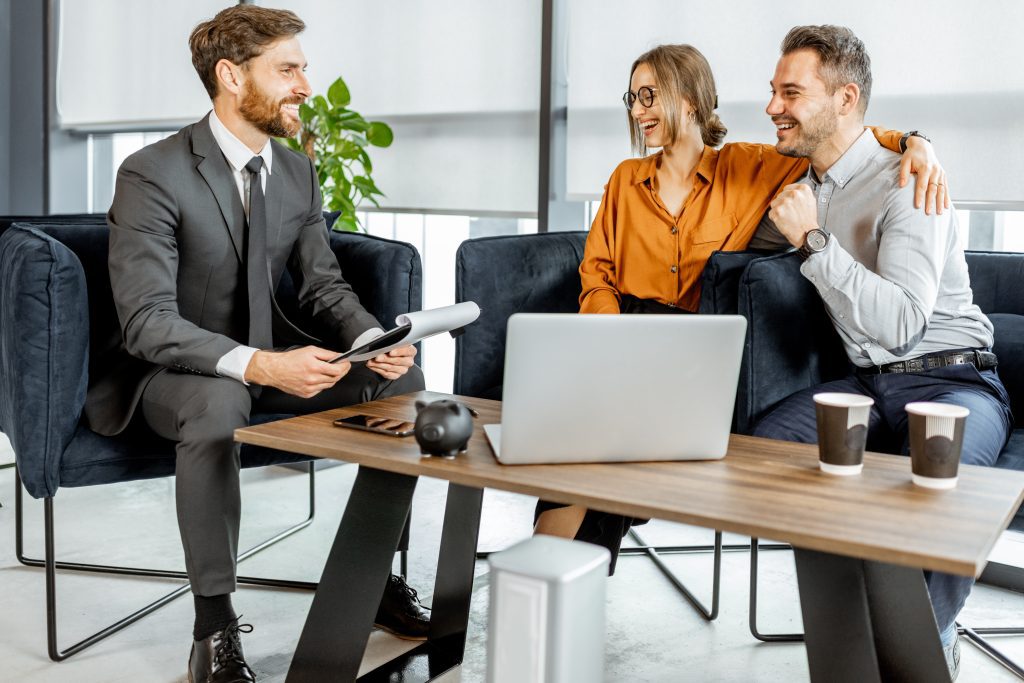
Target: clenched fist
[(794, 213)]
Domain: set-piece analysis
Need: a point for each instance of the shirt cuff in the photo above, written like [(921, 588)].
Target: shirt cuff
[(367, 336), (234, 363)]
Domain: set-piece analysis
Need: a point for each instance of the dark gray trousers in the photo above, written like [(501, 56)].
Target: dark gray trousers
[(201, 414)]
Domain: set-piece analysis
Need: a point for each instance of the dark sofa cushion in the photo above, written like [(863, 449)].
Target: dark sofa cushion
[(137, 453), (44, 352), (720, 281), (506, 275), (1009, 349), (791, 343), (54, 219), (996, 279)]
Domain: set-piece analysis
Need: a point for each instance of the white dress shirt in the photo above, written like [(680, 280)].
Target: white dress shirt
[(234, 363)]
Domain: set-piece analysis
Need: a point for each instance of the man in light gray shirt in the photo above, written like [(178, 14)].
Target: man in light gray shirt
[(893, 279)]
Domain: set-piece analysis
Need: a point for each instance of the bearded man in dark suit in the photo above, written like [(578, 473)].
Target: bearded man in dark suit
[(202, 226)]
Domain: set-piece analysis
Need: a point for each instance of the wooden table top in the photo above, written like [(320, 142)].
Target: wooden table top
[(763, 488)]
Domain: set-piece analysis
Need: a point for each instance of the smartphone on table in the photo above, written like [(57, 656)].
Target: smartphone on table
[(380, 425)]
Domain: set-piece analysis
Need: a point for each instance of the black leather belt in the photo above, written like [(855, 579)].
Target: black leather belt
[(981, 359)]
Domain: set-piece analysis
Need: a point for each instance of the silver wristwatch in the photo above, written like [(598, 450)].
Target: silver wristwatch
[(814, 241)]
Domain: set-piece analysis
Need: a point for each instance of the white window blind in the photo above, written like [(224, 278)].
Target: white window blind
[(126, 65), (458, 82), (948, 68)]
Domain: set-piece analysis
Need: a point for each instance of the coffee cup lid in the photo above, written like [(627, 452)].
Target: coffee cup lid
[(840, 400), (930, 409)]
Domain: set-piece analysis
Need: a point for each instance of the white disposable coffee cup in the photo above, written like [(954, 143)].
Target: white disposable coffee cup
[(936, 441), (842, 431)]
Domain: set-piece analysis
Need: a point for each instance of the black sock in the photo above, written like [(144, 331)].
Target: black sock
[(212, 614)]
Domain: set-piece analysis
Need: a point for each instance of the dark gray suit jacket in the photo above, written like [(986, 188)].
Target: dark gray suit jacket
[(177, 249)]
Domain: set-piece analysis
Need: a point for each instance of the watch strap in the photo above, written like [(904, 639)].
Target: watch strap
[(912, 134)]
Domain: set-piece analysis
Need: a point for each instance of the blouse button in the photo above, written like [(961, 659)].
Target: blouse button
[(674, 268), (674, 230)]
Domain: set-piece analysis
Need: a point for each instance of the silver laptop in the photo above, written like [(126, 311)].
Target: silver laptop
[(610, 388)]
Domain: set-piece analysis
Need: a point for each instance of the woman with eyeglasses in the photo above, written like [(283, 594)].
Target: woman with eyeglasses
[(662, 215)]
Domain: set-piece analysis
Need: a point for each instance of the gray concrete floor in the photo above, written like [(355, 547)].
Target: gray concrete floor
[(652, 634)]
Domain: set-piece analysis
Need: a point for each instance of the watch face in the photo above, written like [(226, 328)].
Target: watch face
[(816, 240)]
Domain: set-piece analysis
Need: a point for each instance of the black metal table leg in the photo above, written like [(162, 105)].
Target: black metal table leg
[(453, 591), (867, 622), (341, 617)]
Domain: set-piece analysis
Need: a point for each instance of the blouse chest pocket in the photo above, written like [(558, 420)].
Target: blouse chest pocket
[(715, 230)]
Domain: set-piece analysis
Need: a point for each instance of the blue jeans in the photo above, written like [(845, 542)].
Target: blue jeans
[(988, 428)]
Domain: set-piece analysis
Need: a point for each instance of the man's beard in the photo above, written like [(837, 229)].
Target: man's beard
[(261, 111), (811, 133)]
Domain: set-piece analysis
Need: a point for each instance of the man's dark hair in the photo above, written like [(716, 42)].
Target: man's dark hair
[(238, 34), (842, 54)]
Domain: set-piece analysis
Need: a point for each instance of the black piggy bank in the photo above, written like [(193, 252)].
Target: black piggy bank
[(442, 428)]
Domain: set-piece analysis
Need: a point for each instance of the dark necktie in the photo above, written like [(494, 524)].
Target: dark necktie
[(257, 277)]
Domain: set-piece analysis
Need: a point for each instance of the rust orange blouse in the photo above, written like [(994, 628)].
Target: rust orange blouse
[(636, 247)]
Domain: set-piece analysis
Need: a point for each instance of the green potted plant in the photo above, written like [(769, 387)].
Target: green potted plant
[(336, 139)]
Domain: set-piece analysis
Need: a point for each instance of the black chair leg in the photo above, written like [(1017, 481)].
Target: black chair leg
[(765, 637), (651, 552), (1011, 578), (403, 548), (51, 565), (973, 635)]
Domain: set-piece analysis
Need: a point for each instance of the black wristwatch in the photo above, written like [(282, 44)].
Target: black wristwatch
[(815, 241), (907, 136)]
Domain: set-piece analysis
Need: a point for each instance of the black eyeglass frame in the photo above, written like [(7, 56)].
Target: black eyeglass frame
[(645, 94)]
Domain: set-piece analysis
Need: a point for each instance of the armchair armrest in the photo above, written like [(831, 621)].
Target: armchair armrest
[(44, 352)]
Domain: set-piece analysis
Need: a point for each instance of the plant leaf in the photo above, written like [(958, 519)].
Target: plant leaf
[(347, 223), (338, 93), (366, 186), (380, 134), (364, 159), (306, 113), (320, 105), (357, 123), (348, 150)]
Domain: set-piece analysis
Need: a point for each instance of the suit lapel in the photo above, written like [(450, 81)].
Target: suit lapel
[(217, 173)]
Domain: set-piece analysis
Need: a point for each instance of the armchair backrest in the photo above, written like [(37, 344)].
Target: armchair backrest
[(997, 280), (57, 321), (505, 275)]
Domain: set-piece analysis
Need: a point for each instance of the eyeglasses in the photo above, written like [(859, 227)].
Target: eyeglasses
[(644, 94)]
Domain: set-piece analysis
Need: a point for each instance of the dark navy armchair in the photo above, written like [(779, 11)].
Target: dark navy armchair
[(56, 320)]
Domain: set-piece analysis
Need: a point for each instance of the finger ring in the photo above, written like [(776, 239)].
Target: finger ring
[(935, 183)]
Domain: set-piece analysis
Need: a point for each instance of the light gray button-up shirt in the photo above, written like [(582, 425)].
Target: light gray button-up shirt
[(893, 279)]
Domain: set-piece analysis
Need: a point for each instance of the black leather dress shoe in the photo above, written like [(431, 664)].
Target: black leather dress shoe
[(219, 658), (400, 612)]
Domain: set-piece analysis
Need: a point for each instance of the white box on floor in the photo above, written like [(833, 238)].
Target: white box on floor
[(547, 613)]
